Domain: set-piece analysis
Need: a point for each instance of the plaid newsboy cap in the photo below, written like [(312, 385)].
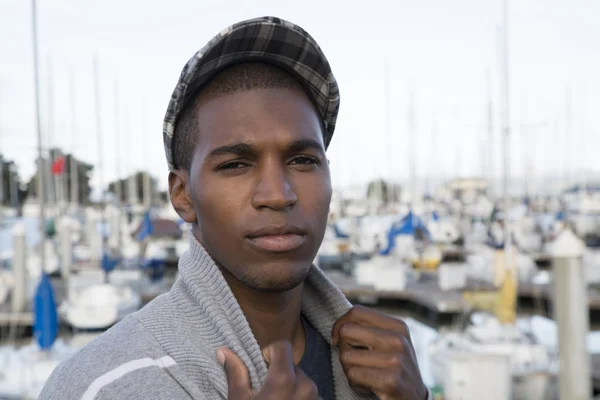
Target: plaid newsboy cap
[(265, 39)]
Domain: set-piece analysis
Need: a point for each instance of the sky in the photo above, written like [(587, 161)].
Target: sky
[(442, 54)]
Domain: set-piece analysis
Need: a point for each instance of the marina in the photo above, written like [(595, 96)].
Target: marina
[(404, 283), (423, 301), (477, 221)]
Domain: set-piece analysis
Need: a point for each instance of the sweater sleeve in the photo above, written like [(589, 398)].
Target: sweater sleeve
[(134, 380), (123, 362)]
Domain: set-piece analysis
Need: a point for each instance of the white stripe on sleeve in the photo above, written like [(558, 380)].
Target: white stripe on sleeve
[(123, 369)]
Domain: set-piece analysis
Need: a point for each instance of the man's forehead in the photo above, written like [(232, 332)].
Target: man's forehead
[(258, 120)]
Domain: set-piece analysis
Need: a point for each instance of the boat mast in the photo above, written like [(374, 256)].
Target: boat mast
[(504, 87), (412, 140), (490, 130), (567, 180), (431, 172), (146, 177), (132, 183), (100, 152), (41, 168), (73, 167), (118, 188), (388, 131)]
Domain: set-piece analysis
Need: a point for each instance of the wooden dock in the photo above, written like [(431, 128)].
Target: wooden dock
[(424, 301), (8, 318), (24, 321), (537, 300), (21, 324)]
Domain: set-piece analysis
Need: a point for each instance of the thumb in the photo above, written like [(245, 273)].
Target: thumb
[(238, 380), (279, 357)]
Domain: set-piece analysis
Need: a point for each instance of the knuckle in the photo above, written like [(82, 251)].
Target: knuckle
[(403, 327), (354, 311), (358, 309), (394, 360), (307, 389), (345, 357), (352, 373), (345, 329), (398, 341), (283, 379), (390, 383)]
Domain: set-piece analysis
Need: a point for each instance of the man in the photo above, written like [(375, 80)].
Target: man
[(249, 317)]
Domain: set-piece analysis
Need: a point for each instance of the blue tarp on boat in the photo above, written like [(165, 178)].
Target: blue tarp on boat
[(339, 233), (45, 324), (409, 225)]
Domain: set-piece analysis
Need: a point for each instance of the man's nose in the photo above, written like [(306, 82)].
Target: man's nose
[(274, 189)]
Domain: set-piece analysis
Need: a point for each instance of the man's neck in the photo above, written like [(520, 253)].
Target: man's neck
[(272, 316)]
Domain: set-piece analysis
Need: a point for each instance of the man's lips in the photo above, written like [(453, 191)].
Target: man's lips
[(278, 243), (277, 238)]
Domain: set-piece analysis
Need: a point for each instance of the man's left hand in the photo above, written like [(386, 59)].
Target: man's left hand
[(377, 355)]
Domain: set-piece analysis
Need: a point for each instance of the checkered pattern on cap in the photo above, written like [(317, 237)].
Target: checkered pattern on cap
[(266, 39)]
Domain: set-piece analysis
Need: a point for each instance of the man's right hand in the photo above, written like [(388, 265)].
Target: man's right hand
[(284, 379)]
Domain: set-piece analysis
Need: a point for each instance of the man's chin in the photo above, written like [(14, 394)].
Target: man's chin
[(275, 279)]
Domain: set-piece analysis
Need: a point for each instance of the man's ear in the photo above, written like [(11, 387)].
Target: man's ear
[(181, 198)]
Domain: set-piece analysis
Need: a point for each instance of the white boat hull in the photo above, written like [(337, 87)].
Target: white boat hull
[(100, 306), (530, 370)]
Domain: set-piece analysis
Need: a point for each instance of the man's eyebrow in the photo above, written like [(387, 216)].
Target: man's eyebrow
[(246, 149), (238, 149), (305, 144)]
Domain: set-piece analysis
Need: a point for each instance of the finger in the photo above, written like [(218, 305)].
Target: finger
[(371, 338), (365, 316), (382, 382), (305, 387), (280, 359), (238, 380), (372, 359)]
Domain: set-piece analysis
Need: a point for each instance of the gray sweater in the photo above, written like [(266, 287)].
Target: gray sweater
[(167, 349)]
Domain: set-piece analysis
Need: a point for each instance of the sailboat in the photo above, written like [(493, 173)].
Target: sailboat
[(93, 304), (488, 349), (517, 367), (387, 268), (526, 362), (419, 251), (25, 370), (99, 306)]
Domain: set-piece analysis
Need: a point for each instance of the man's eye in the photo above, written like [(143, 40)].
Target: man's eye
[(304, 160), (232, 165)]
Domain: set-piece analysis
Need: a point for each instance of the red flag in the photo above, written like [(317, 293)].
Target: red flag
[(58, 166)]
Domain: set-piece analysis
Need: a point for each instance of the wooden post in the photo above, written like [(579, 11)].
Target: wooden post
[(572, 317), (19, 295)]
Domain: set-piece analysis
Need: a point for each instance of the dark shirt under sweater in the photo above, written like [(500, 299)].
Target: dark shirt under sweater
[(316, 361)]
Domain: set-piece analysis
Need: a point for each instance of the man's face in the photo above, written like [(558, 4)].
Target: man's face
[(259, 185)]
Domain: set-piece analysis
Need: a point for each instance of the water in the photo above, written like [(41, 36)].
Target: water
[(546, 331), (543, 328)]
